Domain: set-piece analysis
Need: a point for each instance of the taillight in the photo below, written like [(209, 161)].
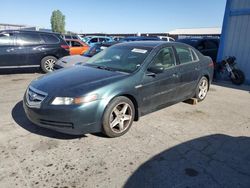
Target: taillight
[(66, 47)]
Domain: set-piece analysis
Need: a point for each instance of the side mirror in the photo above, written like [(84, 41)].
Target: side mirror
[(156, 69)]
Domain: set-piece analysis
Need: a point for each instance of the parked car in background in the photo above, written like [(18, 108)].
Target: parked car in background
[(69, 61), (90, 40), (117, 38), (70, 36), (168, 39), (117, 86), (76, 47), (207, 46), (138, 38), (24, 49)]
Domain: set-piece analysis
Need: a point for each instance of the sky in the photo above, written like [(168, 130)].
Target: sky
[(116, 16)]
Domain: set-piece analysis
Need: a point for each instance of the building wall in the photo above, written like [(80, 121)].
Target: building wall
[(235, 38)]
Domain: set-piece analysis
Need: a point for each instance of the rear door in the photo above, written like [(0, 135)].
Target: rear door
[(189, 69), (8, 57), (159, 90), (29, 48)]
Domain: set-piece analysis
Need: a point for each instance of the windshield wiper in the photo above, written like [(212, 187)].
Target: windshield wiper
[(105, 68)]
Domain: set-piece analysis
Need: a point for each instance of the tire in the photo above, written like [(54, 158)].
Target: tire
[(47, 64), (118, 117), (202, 89), (239, 77)]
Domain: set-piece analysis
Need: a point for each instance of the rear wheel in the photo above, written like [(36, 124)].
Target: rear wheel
[(118, 117), (47, 64), (202, 89)]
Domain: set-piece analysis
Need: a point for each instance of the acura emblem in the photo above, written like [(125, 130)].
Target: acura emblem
[(32, 96)]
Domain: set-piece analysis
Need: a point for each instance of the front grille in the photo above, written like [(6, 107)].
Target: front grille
[(35, 97), (57, 123)]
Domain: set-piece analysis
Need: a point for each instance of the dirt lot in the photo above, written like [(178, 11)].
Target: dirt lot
[(204, 145)]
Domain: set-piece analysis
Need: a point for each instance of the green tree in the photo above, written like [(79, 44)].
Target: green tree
[(57, 21)]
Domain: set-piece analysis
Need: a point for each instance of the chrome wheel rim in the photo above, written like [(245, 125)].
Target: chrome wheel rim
[(120, 117), (49, 64), (203, 88)]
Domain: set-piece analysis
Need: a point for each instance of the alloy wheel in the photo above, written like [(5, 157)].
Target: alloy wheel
[(203, 88), (49, 64), (120, 117)]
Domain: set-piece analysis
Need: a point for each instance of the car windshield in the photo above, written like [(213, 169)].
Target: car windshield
[(120, 58)]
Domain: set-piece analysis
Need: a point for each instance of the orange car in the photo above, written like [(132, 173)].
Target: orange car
[(76, 47)]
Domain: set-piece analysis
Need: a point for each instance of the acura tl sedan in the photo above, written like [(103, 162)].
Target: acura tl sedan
[(118, 86)]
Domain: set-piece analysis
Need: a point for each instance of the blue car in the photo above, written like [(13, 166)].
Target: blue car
[(91, 40)]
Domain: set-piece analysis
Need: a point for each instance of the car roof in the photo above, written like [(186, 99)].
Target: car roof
[(149, 44), (28, 31), (97, 36)]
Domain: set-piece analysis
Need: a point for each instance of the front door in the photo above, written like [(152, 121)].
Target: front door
[(159, 89)]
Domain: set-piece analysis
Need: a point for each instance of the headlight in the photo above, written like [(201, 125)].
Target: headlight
[(71, 100)]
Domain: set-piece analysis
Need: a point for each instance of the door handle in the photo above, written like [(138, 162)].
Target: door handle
[(10, 49), (196, 68)]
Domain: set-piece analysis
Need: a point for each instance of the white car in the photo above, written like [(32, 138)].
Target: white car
[(168, 39)]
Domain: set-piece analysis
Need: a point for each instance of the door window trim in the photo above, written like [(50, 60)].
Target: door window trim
[(190, 50)]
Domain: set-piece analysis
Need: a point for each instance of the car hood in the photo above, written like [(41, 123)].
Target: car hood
[(76, 81), (68, 61)]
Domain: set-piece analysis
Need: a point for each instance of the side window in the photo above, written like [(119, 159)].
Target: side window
[(50, 39), (28, 39), (102, 39), (75, 44), (6, 39), (165, 58), (94, 40), (67, 37), (184, 54)]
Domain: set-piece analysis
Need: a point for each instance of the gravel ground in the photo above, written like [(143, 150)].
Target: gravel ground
[(203, 145)]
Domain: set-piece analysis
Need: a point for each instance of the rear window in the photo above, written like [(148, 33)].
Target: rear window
[(50, 39), (6, 39), (184, 55), (28, 39)]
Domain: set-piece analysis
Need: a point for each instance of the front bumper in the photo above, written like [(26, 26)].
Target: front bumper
[(74, 120)]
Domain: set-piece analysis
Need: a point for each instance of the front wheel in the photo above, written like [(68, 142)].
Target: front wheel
[(202, 89), (118, 117), (238, 78), (47, 63)]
